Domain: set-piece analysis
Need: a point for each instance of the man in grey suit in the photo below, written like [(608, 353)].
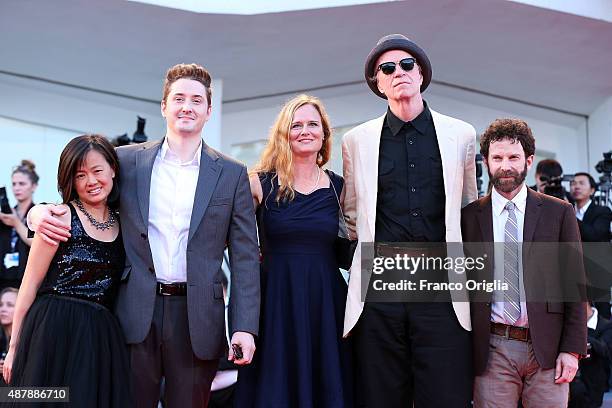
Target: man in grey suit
[(181, 203)]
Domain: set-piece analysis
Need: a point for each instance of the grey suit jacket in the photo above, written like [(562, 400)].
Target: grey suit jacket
[(222, 213)]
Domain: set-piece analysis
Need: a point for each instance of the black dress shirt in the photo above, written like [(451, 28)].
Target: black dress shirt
[(411, 200)]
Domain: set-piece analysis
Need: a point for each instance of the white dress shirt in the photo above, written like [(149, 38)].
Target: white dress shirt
[(581, 211), (500, 215), (173, 186), (592, 322)]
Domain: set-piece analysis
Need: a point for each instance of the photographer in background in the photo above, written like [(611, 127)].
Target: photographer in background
[(591, 382), (594, 222), (549, 175), (14, 241)]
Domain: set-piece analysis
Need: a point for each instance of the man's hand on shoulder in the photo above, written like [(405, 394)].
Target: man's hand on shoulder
[(46, 220)]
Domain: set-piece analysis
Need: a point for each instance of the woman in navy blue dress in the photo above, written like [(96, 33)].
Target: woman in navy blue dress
[(301, 358)]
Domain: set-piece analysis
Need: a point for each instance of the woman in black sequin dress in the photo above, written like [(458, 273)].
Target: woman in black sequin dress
[(64, 333)]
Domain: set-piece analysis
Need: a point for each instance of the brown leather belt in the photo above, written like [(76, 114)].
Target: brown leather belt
[(510, 332), (172, 289)]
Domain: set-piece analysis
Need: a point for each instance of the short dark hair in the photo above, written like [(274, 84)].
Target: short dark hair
[(549, 167), (72, 159), (188, 71), (587, 175), (515, 130)]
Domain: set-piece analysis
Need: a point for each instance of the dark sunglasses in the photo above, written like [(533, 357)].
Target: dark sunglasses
[(388, 68)]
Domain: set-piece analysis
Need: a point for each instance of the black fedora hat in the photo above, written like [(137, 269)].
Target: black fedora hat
[(396, 42)]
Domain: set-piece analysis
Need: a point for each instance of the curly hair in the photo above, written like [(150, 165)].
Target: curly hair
[(189, 71), (515, 130), (277, 156)]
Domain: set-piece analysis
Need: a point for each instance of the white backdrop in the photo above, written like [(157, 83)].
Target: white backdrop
[(42, 145)]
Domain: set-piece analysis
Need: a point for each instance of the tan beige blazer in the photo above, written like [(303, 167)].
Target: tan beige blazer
[(360, 147)]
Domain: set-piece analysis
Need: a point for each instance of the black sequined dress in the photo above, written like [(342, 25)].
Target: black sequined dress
[(70, 338)]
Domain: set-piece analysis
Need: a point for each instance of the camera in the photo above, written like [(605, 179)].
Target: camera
[(605, 166), (4, 204), (604, 189), (553, 187)]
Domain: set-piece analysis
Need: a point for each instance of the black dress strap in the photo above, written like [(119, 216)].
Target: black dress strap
[(267, 187), (337, 181)]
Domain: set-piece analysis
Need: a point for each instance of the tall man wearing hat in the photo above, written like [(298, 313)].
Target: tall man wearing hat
[(407, 175)]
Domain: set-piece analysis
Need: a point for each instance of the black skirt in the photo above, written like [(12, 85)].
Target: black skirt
[(68, 342)]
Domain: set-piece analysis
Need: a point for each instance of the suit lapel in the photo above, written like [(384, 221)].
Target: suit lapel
[(209, 174), (369, 147), (532, 214), (485, 219), (447, 143), (144, 167), (588, 214), (485, 222)]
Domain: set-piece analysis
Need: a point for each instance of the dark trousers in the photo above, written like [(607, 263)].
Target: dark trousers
[(167, 352), (223, 398), (412, 353)]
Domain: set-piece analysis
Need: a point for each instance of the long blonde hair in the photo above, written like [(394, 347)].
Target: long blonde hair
[(277, 156)]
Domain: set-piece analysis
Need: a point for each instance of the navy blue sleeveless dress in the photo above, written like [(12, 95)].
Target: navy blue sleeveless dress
[(70, 337), (301, 359)]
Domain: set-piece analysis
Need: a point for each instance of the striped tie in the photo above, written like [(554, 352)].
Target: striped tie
[(512, 305)]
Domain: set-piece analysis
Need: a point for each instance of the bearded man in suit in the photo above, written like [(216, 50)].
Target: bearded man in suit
[(526, 339)]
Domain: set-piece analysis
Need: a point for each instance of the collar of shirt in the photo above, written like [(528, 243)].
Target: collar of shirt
[(583, 209), (166, 154), (592, 322), (499, 202), (421, 123)]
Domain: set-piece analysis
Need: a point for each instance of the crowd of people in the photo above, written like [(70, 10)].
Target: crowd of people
[(122, 297)]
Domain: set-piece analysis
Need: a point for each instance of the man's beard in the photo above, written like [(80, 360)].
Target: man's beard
[(507, 186)]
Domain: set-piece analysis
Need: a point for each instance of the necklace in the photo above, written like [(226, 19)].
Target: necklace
[(317, 183), (98, 225)]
